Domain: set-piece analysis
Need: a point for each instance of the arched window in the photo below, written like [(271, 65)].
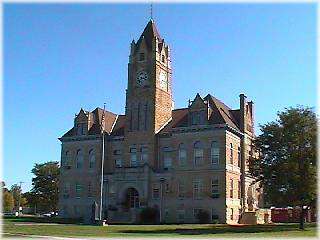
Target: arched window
[(182, 155), (198, 153), (92, 159), (215, 153), (79, 159)]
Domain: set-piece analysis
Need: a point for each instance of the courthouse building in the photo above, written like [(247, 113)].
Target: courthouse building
[(180, 161)]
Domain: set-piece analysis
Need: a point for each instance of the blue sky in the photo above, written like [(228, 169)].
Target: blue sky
[(61, 57)]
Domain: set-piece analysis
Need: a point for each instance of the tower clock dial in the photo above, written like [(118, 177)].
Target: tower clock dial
[(142, 78), (163, 80)]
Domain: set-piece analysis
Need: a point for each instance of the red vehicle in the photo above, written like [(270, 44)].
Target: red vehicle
[(291, 215)]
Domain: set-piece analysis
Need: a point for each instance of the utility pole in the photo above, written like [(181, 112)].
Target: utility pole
[(102, 162)]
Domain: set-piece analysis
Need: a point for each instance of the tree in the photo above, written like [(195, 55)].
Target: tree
[(16, 193), (45, 186), (8, 201), (31, 200), (286, 165)]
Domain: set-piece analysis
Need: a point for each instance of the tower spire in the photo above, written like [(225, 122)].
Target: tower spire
[(151, 11)]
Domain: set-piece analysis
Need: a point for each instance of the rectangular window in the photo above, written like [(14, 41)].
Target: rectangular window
[(231, 188), (195, 118), (214, 215), (215, 153), (196, 212), (79, 129), (133, 157), (117, 152), (215, 187), (182, 157), (166, 213), (89, 190), (231, 153), (167, 188), (66, 187), (76, 210), (231, 214), (239, 189), (144, 155), (197, 189), (239, 157), (181, 189), (198, 156), (181, 215), (66, 190), (78, 190), (141, 57), (118, 163), (167, 159), (155, 191)]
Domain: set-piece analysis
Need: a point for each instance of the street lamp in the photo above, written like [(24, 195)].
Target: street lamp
[(102, 162)]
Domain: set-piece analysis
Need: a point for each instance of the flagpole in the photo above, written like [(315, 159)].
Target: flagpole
[(102, 162)]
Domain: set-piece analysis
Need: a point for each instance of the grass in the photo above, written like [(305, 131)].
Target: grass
[(14, 228)]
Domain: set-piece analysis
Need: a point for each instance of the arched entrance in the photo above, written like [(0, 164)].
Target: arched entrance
[(132, 198)]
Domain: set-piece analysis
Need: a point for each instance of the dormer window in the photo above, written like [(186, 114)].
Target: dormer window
[(141, 57), (198, 117), (81, 129)]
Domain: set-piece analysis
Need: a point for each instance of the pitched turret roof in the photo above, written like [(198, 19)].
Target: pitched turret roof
[(149, 32)]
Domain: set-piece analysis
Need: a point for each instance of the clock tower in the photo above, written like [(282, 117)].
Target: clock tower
[(149, 93)]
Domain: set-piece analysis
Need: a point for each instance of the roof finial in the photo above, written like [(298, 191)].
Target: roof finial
[(151, 13)]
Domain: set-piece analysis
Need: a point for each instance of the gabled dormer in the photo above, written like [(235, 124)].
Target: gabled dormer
[(82, 122), (198, 111)]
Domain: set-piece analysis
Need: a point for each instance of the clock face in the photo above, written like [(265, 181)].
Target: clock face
[(163, 80), (142, 78)]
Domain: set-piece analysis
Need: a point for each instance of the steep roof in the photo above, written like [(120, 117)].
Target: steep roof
[(118, 129), (179, 119), (108, 119), (221, 114), (149, 32), (225, 113), (97, 119)]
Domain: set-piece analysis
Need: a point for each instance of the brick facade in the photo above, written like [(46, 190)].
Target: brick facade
[(177, 160)]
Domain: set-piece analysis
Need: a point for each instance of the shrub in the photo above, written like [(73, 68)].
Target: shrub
[(149, 215), (203, 217)]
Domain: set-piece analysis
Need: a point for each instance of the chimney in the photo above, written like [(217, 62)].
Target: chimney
[(251, 109), (243, 103)]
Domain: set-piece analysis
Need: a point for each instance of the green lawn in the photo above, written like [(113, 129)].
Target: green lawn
[(15, 227)]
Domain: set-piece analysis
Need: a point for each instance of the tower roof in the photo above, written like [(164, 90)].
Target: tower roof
[(149, 32)]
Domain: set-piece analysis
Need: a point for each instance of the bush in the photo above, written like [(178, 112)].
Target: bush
[(149, 215), (45, 219), (203, 217)]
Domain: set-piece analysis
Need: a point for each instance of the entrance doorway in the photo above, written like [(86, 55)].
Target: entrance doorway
[(132, 198)]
